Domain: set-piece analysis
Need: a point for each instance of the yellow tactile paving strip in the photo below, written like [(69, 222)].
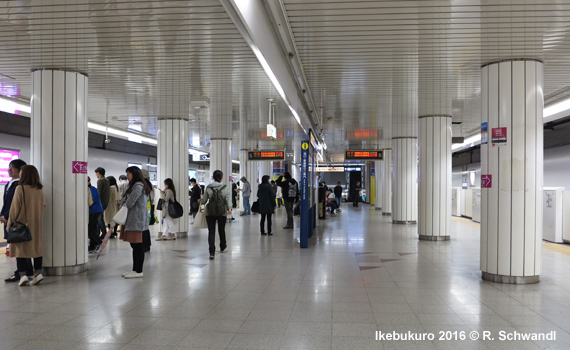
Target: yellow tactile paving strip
[(466, 221), (560, 248)]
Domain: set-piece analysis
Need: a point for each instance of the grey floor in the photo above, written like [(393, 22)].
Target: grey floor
[(360, 275)]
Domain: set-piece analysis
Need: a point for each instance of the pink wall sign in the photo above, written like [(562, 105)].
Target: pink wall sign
[(78, 167), (6, 157), (486, 181)]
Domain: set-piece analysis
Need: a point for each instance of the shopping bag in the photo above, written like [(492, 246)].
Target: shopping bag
[(200, 220), (121, 216)]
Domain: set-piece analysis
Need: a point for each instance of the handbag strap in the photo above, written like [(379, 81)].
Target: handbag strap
[(25, 209)]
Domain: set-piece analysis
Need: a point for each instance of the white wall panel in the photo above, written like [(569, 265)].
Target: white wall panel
[(404, 207), (387, 182), (484, 170)]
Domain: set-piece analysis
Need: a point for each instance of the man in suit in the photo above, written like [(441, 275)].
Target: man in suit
[(9, 189)]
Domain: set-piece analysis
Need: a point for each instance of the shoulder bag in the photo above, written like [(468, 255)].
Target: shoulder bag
[(21, 232), (175, 210), (121, 216)]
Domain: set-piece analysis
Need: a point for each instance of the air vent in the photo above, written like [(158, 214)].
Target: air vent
[(557, 96)]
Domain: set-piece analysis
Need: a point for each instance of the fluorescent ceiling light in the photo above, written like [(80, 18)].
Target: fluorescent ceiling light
[(469, 142), (556, 108), (124, 134), (13, 107), (235, 161), (196, 152)]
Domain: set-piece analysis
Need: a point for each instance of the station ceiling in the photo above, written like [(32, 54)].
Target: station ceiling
[(362, 60)]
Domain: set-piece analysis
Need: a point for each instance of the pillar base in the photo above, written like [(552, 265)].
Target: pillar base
[(486, 276), (403, 222), (181, 234), (387, 214), (64, 270), (434, 238)]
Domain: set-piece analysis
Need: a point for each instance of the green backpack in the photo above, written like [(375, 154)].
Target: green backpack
[(217, 203)]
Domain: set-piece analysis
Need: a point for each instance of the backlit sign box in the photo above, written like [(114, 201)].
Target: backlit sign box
[(363, 155), (6, 156), (271, 131), (266, 155)]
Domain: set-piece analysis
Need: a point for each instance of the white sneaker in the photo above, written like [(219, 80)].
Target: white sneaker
[(162, 238), (23, 281), (125, 273), (37, 279), (133, 274)]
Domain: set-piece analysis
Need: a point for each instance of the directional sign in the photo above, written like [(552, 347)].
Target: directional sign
[(78, 167), (486, 181)]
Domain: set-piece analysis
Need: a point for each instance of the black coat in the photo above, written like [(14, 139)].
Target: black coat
[(266, 199), (8, 196)]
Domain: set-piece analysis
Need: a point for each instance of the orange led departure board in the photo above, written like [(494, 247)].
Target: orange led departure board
[(267, 155), (363, 155)]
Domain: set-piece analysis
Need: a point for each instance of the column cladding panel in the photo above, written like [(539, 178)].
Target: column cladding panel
[(387, 183), (172, 162), (378, 165), (405, 180), (59, 137), (512, 97), (221, 157), (435, 177)]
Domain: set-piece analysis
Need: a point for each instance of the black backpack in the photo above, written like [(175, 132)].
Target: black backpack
[(293, 189), (217, 203)]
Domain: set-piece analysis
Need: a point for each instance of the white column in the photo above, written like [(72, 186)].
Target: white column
[(172, 161), (511, 208), (434, 210), (221, 157), (265, 168), (387, 182), (378, 176), (59, 137), (405, 178)]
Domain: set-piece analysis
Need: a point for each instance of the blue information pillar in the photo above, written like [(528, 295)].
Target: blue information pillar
[(305, 228)]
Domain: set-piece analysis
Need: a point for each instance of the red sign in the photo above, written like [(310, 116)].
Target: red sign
[(78, 167), (486, 181), (499, 136)]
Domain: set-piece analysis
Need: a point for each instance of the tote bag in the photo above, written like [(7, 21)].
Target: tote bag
[(121, 216), (175, 209), (200, 220)]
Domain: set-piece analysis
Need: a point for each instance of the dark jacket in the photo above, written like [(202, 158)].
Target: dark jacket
[(284, 184), (338, 191), (8, 196), (96, 207), (195, 195), (104, 188), (266, 199)]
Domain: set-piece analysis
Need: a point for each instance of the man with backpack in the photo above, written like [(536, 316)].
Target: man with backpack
[(290, 189), (217, 197)]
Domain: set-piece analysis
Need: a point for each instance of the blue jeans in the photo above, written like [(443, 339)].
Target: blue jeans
[(246, 206), (338, 201)]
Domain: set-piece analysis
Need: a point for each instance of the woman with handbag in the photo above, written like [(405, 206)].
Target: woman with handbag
[(135, 201), (27, 210), (266, 201), (168, 226)]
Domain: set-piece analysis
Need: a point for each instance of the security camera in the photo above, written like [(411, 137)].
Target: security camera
[(107, 140)]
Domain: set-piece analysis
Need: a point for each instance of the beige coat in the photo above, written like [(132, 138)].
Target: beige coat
[(113, 206), (34, 211)]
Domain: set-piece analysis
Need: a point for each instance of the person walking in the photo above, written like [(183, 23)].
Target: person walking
[(266, 201), (245, 194), (338, 194), (28, 207), (356, 194), (290, 189), (104, 189), (195, 195), (278, 196), (95, 213), (14, 172), (135, 199), (217, 197), (168, 226), (113, 206)]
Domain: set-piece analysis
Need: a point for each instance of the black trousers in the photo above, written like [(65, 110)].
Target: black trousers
[(138, 257), (94, 239), (289, 209), (355, 199), (146, 240), (262, 222), (102, 229), (211, 220), (25, 266)]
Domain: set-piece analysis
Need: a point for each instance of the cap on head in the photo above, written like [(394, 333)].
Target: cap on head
[(243, 178), (145, 174)]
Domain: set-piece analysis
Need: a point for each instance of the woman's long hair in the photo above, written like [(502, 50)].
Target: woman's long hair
[(29, 176), (137, 177), (265, 179), (112, 181), (168, 182)]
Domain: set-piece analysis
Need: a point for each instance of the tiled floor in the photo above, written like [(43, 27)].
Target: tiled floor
[(360, 275)]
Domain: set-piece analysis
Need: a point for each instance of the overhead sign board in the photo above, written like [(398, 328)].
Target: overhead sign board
[(271, 131), (364, 155), (330, 169), (266, 155)]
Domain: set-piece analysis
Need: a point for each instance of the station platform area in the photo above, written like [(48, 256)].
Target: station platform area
[(361, 274)]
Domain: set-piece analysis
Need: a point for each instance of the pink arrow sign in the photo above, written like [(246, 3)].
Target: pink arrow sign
[(486, 181), (78, 167)]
